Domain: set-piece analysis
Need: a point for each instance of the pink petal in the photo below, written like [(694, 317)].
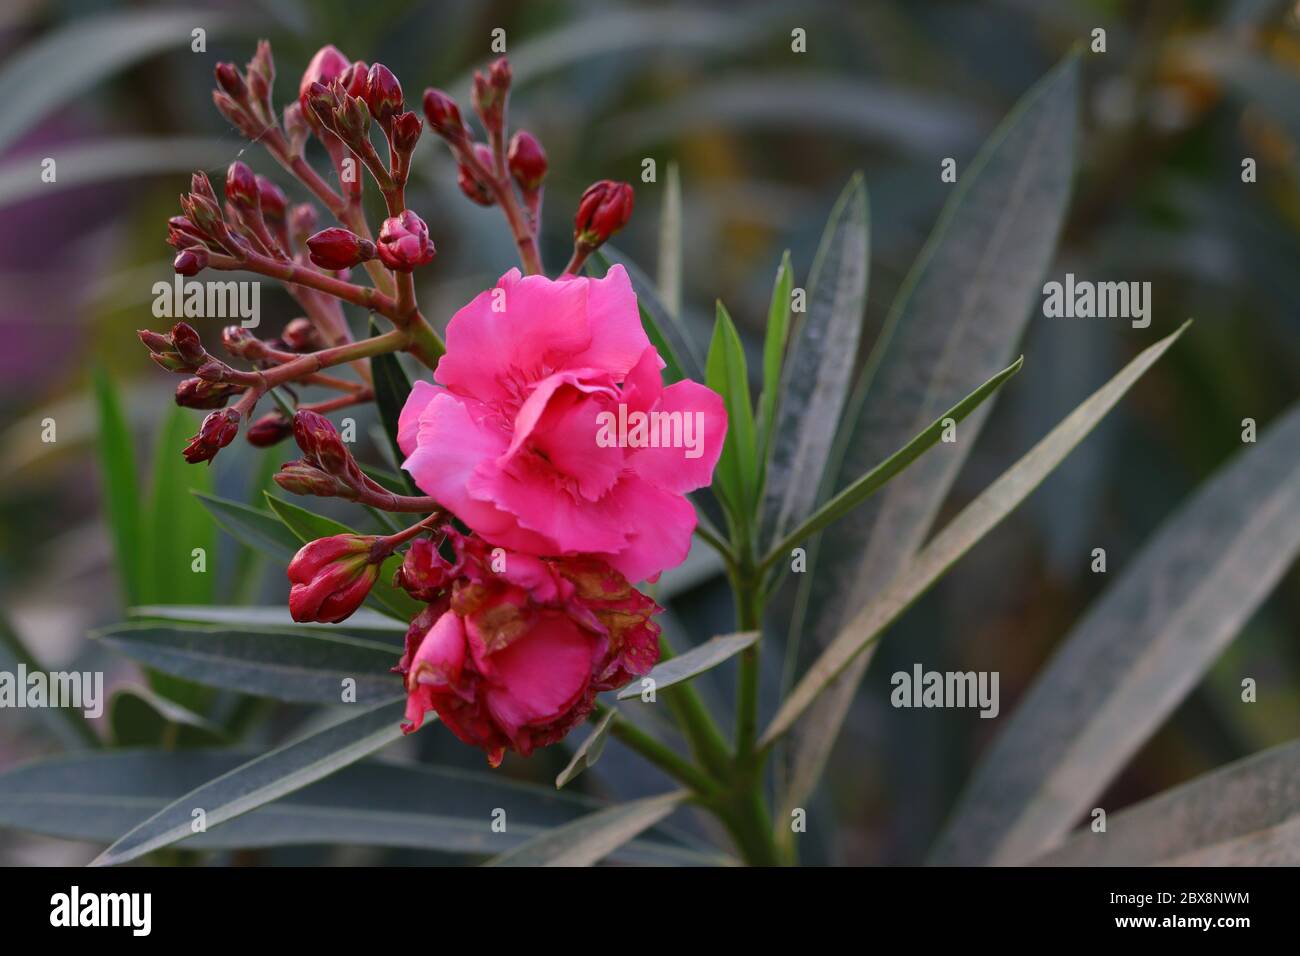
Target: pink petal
[(617, 336), (541, 675), (660, 525), (703, 417), (408, 422)]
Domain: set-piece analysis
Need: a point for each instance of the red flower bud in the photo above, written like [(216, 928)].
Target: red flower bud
[(383, 93), (443, 115), (272, 198), (271, 429), (300, 335), (181, 233), (296, 127), (196, 393), (337, 248), (499, 75), (230, 80), (302, 221), (331, 577), (187, 343), (471, 185), (241, 186), (200, 185), (527, 161), (323, 446), (304, 478), (191, 261), (217, 431), (325, 67), (353, 80), (603, 210), (261, 73), (237, 340), (406, 132), (424, 572), (489, 103), (404, 242)]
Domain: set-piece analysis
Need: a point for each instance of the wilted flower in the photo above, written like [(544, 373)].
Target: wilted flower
[(513, 651), (217, 431)]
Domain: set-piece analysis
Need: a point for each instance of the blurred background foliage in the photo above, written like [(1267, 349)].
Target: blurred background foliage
[(764, 140)]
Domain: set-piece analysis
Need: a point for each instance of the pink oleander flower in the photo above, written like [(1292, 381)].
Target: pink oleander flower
[(550, 432), (513, 649)]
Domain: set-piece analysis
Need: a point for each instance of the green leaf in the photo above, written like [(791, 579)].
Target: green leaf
[(139, 717), (1137, 653), (774, 340), (858, 492), (1244, 814), (955, 322), (274, 616), (817, 375), (98, 797), (67, 725), (120, 487), (309, 526), (302, 666), (962, 533), (728, 375), (692, 663), (262, 780), (78, 56), (176, 522), (589, 840), (669, 279), (392, 388), (260, 530), (588, 751)]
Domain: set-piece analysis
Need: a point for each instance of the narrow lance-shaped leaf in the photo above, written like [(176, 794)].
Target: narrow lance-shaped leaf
[(588, 751), (1244, 814), (670, 242), (964, 531), (262, 780), (1142, 647), (858, 492), (728, 375), (955, 322), (392, 387), (692, 663), (819, 370), (273, 616), (589, 840), (121, 487), (98, 797), (258, 529), (774, 339), (299, 666)]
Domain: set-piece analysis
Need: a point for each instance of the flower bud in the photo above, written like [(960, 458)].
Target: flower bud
[(238, 341), (261, 72), (302, 221), (271, 429), (353, 80), (296, 128), (241, 187), (196, 393), (383, 93), (217, 431), (187, 343), (424, 572), (235, 114), (230, 80), (406, 132), (272, 199), (191, 261), (443, 115), (300, 335), (526, 160), (322, 445), (204, 213), (337, 248), (181, 233), (304, 478), (473, 187), (404, 242), (603, 210), (325, 67), (200, 185), (488, 102), (499, 75), (352, 119), (317, 102), (331, 577)]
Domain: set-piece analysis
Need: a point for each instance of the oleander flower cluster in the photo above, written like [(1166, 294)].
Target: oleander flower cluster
[(534, 529)]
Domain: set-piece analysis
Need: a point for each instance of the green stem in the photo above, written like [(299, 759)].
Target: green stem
[(659, 754), (702, 733)]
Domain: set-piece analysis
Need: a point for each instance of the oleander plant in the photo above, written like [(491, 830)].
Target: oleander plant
[(494, 562)]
